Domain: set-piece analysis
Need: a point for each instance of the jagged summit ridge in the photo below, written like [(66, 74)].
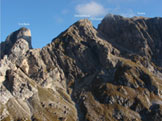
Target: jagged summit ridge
[(111, 73)]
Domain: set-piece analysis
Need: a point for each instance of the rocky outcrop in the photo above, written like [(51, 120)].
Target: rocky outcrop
[(86, 74), (17, 43)]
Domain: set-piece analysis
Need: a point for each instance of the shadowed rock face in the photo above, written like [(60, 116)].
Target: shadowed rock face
[(137, 35), (112, 73)]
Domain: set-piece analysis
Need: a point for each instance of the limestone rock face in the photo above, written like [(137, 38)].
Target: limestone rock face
[(134, 35), (16, 42), (112, 73)]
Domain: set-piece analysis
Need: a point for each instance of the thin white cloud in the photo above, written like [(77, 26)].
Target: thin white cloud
[(92, 9), (128, 13), (65, 11), (58, 19)]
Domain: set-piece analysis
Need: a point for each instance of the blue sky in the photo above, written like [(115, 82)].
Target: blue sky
[(48, 18)]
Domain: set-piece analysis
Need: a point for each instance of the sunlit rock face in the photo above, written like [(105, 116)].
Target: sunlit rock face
[(112, 73)]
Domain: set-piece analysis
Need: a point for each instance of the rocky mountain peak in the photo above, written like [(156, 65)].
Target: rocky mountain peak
[(134, 35), (83, 22), (112, 17), (76, 32), (17, 43), (22, 33), (83, 25), (112, 73)]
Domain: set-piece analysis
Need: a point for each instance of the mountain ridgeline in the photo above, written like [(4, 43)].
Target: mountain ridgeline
[(112, 73)]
